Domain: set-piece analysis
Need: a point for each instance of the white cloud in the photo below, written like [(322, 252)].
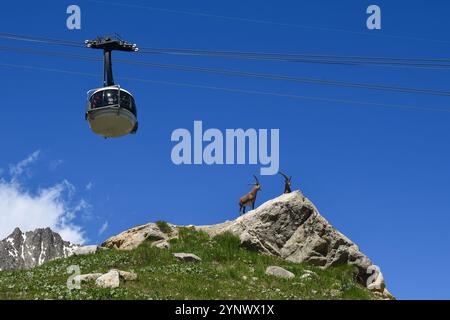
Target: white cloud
[(47, 207), (103, 228), (18, 169), (89, 186)]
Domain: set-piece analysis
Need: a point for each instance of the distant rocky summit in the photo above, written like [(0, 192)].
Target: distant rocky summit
[(24, 250), (289, 226)]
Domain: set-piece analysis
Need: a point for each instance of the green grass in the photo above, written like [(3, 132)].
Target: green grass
[(226, 271), (164, 227)]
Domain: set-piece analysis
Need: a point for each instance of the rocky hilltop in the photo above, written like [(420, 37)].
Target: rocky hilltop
[(24, 250), (284, 249), (289, 226)]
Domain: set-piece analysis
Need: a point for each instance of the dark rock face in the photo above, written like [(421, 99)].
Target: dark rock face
[(27, 250)]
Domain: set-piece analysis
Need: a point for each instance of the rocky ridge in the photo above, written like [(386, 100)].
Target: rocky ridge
[(24, 250)]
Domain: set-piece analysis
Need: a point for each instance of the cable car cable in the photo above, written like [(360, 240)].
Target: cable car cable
[(40, 40), (290, 78), (271, 56), (242, 74), (296, 54), (237, 90), (429, 66)]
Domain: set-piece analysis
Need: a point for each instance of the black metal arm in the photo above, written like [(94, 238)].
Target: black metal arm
[(108, 44)]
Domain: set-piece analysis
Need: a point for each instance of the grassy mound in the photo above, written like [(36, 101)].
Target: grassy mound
[(226, 271)]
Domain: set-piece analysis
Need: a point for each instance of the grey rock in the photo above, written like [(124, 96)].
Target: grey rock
[(85, 250), (387, 295), (161, 244), (125, 275), (132, 238), (308, 275), (291, 227), (87, 277), (378, 284), (109, 280), (24, 250), (279, 272), (188, 257)]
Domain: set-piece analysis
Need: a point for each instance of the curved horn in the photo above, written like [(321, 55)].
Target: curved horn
[(257, 181), (285, 176)]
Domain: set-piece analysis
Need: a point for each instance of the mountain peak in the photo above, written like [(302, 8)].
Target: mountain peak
[(23, 250), (16, 231)]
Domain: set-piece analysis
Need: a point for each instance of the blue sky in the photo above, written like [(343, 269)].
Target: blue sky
[(380, 175)]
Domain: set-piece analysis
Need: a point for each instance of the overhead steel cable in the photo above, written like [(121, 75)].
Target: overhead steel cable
[(49, 53), (53, 40), (309, 55), (227, 72), (41, 40), (420, 63), (289, 78), (238, 90), (354, 62), (292, 57)]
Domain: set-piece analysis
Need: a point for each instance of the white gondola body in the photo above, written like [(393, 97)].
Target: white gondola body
[(112, 119)]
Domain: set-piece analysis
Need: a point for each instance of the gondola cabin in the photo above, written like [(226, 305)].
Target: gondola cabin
[(111, 112)]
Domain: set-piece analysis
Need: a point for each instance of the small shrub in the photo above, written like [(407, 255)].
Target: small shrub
[(164, 227)]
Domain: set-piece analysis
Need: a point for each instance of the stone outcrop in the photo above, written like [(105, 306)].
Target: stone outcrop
[(289, 226), (132, 238)]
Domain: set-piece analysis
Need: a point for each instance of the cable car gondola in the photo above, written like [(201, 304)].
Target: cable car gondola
[(111, 110)]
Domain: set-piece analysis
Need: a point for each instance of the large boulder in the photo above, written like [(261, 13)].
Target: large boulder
[(132, 238), (109, 280), (291, 227)]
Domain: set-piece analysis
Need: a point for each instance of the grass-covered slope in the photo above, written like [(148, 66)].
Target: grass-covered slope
[(226, 271)]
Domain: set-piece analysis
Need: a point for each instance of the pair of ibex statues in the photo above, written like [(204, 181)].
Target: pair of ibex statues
[(250, 198)]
